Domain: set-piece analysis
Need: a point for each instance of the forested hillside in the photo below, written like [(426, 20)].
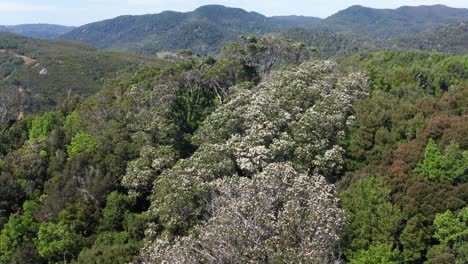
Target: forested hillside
[(450, 38), (262, 154), (390, 23), (204, 31), (41, 31), (329, 44), (39, 74), (208, 28)]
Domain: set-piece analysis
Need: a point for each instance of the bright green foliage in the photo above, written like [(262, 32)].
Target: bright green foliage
[(19, 228), (58, 242), (117, 207), (451, 166), (377, 254), (82, 142), (72, 123), (452, 232), (110, 248), (451, 228), (41, 125), (372, 218), (376, 76), (433, 72), (432, 164), (414, 238)]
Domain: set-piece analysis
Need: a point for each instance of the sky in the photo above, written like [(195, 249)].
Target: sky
[(80, 12)]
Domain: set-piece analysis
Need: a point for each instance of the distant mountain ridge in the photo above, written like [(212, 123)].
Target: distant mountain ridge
[(449, 38), (206, 29), (390, 23), (209, 27), (40, 31)]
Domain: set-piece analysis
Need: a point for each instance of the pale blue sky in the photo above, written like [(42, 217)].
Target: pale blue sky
[(79, 12)]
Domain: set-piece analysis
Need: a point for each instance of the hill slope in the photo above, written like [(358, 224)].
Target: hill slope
[(452, 38), (208, 28), (329, 44), (36, 74), (389, 23), (41, 31)]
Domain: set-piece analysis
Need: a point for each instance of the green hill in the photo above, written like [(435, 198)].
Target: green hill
[(204, 30), (41, 73), (452, 38), (294, 21), (329, 44), (208, 28), (41, 31), (389, 23)]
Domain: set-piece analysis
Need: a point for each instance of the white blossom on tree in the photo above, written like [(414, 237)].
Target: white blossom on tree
[(142, 172), (299, 114), (255, 190), (278, 215)]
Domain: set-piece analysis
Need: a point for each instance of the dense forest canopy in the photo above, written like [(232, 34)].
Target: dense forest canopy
[(264, 152)]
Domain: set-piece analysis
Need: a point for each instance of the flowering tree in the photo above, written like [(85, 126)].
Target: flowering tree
[(252, 190), (278, 215), (299, 114)]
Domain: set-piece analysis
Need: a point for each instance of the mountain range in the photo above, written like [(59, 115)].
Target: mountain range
[(390, 23), (208, 28), (40, 31), (449, 38), (204, 30)]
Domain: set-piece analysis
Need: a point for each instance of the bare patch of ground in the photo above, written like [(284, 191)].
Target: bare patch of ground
[(27, 60)]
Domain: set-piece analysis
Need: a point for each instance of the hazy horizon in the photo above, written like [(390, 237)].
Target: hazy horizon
[(81, 12)]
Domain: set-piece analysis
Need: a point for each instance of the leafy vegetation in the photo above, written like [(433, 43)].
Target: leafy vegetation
[(261, 154), (37, 75)]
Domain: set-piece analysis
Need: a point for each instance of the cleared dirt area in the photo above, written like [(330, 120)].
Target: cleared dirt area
[(27, 60)]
